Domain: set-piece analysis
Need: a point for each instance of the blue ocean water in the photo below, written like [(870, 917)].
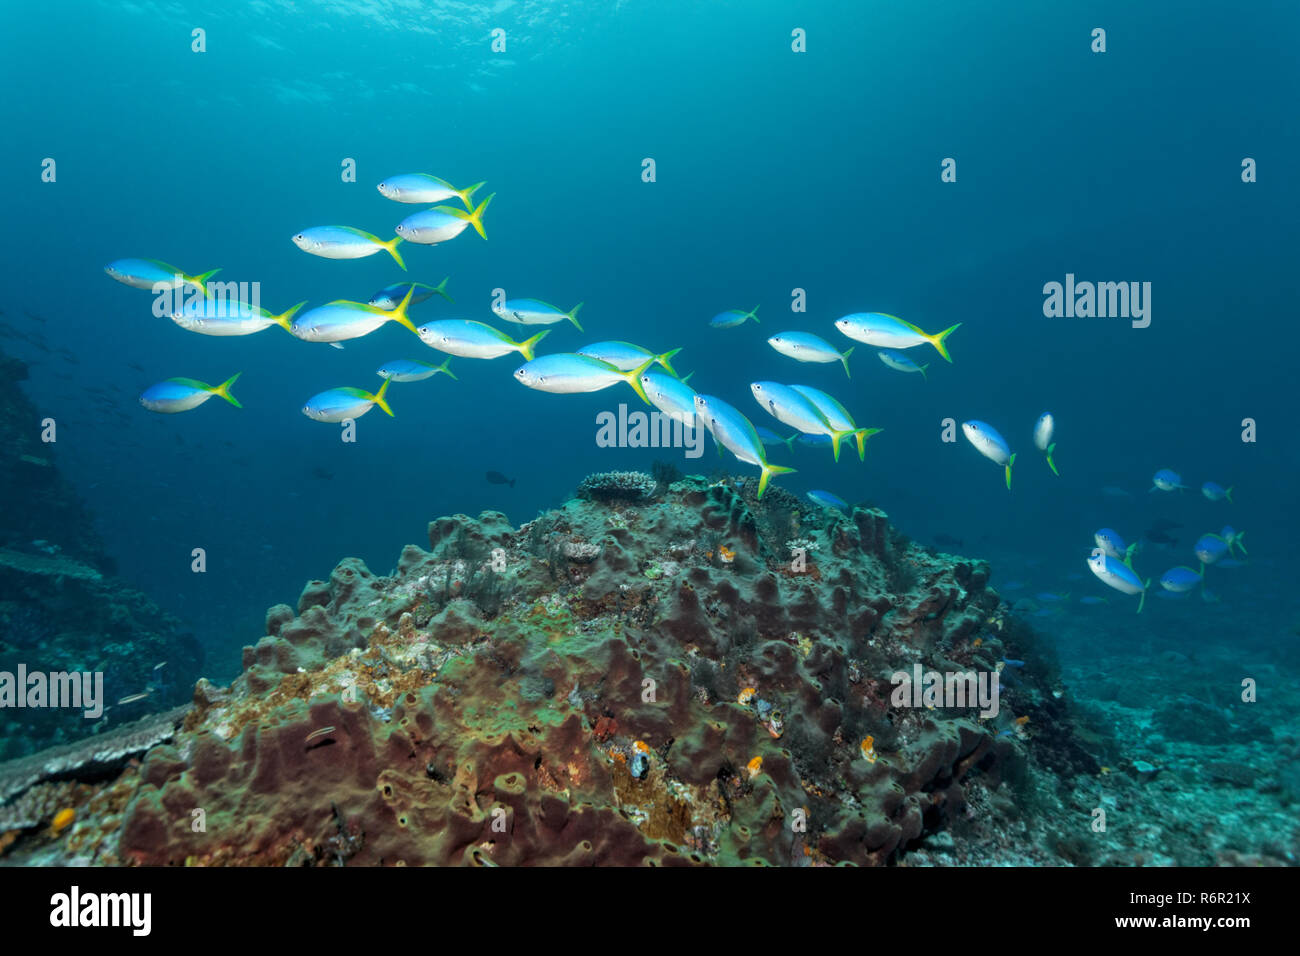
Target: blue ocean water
[(775, 171)]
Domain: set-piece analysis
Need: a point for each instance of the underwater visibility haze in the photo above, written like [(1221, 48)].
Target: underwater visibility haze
[(696, 433)]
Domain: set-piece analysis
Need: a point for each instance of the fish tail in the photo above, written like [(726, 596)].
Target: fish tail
[(378, 397), (1051, 464), (633, 378), (1228, 494), (285, 319), (836, 438), (665, 361), (1143, 599), (921, 369), (512, 480), (937, 340), (862, 434), (391, 245), (441, 288), (201, 279), (398, 314), (1128, 554), (445, 367), (527, 346), (789, 442), (1237, 541), (752, 314), (467, 194), (224, 390), (687, 377), (768, 472), (844, 357), (573, 315), (1010, 461), (476, 217)]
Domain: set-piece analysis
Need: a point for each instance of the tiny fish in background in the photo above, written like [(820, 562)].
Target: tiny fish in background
[(496, 478), (732, 318), (1167, 480), (1216, 492), (901, 363), (1044, 431), (388, 297)]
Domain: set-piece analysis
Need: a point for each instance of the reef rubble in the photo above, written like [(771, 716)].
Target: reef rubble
[(677, 675)]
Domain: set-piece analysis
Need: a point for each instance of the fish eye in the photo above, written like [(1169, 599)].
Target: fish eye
[(299, 238)]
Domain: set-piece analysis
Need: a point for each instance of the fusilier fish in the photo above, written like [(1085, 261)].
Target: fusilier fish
[(771, 439), (223, 317), (341, 320), (344, 242), (732, 318), (827, 500), (470, 339), (1180, 579), (1118, 575), (535, 312), (153, 273), (889, 331), (795, 409), (388, 297), (181, 394), (1233, 538), (670, 395), (901, 363), (413, 370), (1166, 480), (1044, 430), (734, 432), (340, 404), (1216, 492), (991, 445), (1110, 542), (1209, 548), (626, 356), (838, 417), (567, 373), (423, 188), (806, 347), (431, 226)]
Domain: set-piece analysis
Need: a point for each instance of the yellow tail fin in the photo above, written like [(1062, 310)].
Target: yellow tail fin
[(398, 314), (937, 340), (224, 390), (633, 378), (527, 346), (768, 472), (378, 397), (201, 279), (665, 361), (862, 434), (285, 319), (391, 245), (573, 315)]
